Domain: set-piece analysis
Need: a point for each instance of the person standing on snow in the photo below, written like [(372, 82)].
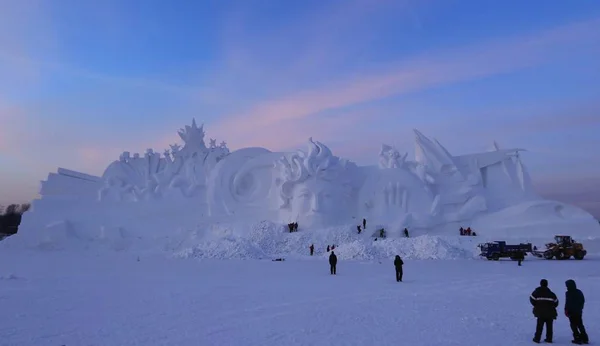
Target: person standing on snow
[(332, 263), (544, 303), (574, 302), (398, 263), (520, 257), (364, 223), (312, 249)]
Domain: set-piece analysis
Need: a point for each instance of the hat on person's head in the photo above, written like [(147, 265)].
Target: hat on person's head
[(544, 283)]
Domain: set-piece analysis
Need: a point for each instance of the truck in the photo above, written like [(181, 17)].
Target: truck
[(499, 249)]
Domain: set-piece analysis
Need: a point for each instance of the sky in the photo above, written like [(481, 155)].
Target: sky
[(83, 81)]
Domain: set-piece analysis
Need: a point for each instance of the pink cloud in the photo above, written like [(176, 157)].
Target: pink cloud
[(420, 73)]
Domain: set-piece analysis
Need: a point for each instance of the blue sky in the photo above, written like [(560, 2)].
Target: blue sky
[(82, 81)]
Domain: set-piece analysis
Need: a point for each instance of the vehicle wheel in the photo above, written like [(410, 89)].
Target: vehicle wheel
[(489, 258), (560, 255), (578, 256), (495, 257), (548, 255)]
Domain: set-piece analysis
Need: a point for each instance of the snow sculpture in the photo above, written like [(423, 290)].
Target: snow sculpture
[(181, 171), (389, 157), (192, 184), (314, 186)]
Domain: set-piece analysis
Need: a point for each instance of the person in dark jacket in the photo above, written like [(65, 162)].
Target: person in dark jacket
[(312, 249), (406, 232), (332, 263), (365, 223), (358, 229), (544, 303), (520, 257), (328, 248), (574, 302), (398, 263)]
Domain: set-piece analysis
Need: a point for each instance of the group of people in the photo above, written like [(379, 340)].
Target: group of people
[(467, 231), (545, 302), (293, 227), (364, 226), (311, 248)]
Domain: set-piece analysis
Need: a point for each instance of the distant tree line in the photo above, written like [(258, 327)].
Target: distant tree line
[(10, 218)]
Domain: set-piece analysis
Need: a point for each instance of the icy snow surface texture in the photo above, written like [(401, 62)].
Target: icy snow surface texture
[(150, 199)]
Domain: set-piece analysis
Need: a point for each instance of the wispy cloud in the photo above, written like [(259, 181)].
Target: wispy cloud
[(412, 75)]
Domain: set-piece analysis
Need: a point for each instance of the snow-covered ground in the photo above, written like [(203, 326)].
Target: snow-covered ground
[(54, 298)]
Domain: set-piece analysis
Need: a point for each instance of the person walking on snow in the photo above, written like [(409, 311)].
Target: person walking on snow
[(364, 223), (332, 263), (574, 302), (358, 228), (544, 303), (312, 249), (328, 248), (398, 263)]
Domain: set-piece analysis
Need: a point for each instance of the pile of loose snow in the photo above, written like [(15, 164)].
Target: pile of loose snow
[(269, 240)]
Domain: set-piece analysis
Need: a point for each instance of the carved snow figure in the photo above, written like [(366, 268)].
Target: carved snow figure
[(315, 186), (181, 171), (389, 157)]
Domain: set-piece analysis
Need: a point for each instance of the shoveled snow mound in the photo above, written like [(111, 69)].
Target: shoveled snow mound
[(269, 240)]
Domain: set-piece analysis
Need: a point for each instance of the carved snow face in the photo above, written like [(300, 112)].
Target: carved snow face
[(317, 201)]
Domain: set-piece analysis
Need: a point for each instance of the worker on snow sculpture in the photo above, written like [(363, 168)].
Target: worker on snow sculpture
[(328, 248), (544, 303), (332, 263), (359, 229), (406, 232), (364, 223), (462, 231), (398, 263), (312, 249)]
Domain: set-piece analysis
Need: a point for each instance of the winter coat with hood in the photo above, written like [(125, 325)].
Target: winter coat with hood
[(574, 299)]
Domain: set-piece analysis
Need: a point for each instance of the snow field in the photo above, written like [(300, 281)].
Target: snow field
[(118, 300)]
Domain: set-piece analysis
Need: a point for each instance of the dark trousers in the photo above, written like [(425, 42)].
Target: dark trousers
[(577, 327), (540, 327), (398, 274), (332, 269), (311, 251)]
